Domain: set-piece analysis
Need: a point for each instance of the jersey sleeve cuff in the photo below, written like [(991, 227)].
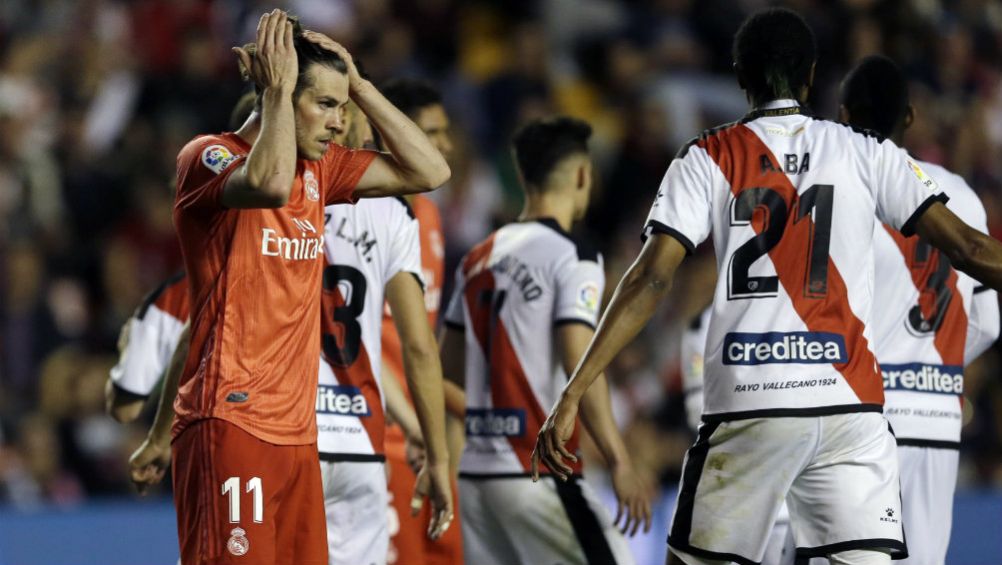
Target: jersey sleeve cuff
[(565, 321), (908, 228), (128, 395), (654, 226), (454, 325)]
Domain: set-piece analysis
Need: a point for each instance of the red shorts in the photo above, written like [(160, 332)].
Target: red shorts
[(245, 501), (410, 545)]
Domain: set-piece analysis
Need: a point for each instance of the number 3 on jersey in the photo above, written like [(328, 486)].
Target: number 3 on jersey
[(343, 302), (818, 198)]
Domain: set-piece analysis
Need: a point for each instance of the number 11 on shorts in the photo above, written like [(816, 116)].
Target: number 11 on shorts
[(231, 487)]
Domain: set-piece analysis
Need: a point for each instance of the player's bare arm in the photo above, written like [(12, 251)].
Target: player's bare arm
[(398, 408), (969, 250), (412, 164), (424, 378), (453, 355), (265, 178), (632, 493), (124, 408), (149, 462), (643, 286)]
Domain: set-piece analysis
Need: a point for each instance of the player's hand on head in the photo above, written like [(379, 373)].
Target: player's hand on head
[(633, 493), (148, 464), (553, 435), (433, 483), (329, 44), (271, 62)]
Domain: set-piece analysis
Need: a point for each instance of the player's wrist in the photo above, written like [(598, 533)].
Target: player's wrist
[(359, 87), (277, 92)]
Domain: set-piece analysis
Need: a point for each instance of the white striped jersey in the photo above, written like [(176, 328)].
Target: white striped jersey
[(151, 336), (791, 201), (512, 291), (929, 323), (365, 246)]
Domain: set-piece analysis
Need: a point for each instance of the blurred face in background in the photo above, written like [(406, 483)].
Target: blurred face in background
[(434, 122), (357, 132)]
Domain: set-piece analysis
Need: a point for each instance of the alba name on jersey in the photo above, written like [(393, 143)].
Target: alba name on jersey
[(930, 324), (365, 246), (152, 335), (511, 290), (791, 201)]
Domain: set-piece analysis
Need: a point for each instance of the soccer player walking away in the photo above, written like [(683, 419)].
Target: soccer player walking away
[(524, 308), (793, 394), (249, 211), (422, 102), (932, 321)]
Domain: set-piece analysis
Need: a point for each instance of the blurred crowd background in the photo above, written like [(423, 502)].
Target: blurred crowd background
[(98, 96)]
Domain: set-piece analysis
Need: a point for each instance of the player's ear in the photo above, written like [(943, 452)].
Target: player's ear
[(909, 116), (740, 75), (582, 176), (843, 114), (810, 75)]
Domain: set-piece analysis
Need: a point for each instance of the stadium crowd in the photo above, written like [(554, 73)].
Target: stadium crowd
[(98, 96)]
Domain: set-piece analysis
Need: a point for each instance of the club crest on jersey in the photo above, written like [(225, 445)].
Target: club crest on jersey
[(920, 377), (784, 347), (925, 179), (238, 543), (340, 400), (588, 297), (216, 158), (496, 422), (311, 186)]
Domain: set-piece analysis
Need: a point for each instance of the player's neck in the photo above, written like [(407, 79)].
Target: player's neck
[(549, 205), (251, 128)]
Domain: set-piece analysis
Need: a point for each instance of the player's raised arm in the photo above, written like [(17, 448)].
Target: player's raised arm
[(969, 250), (643, 286), (149, 463), (411, 163), (424, 379), (453, 355), (265, 179)]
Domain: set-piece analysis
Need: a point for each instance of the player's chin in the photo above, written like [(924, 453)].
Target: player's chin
[(316, 150)]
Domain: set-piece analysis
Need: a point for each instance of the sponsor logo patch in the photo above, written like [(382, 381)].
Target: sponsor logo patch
[(496, 422), (588, 297), (216, 158), (925, 179), (919, 377), (784, 347), (341, 400)]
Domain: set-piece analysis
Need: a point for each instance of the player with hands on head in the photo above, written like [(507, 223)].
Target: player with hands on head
[(793, 393), (525, 303), (249, 210)]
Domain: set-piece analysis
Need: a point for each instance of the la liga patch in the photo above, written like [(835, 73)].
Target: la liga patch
[(588, 297), (925, 179), (216, 158)]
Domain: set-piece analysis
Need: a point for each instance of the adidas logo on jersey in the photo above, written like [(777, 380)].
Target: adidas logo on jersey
[(784, 347), (342, 400), (506, 422), (919, 377)]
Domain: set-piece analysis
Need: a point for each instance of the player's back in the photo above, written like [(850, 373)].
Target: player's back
[(922, 324), (791, 202), (512, 291), (365, 246)]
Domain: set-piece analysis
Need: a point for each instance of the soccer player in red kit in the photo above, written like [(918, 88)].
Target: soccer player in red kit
[(249, 213)]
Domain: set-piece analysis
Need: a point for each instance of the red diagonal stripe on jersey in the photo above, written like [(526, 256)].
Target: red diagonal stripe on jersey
[(737, 152), (359, 374), (510, 388), (951, 335)]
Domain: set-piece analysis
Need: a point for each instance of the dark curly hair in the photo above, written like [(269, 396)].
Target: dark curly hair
[(773, 53), (875, 93)]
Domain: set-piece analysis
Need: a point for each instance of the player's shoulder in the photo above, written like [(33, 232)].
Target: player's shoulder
[(170, 297), (214, 151), (560, 242), (706, 136), (963, 200)]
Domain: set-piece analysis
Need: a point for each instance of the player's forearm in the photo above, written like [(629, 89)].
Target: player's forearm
[(455, 435), (160, 430), (398, 407), (981, 257), (271, 165), (596, 414), (455, 399), (632, 305), (423, 166), (424, 378)]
